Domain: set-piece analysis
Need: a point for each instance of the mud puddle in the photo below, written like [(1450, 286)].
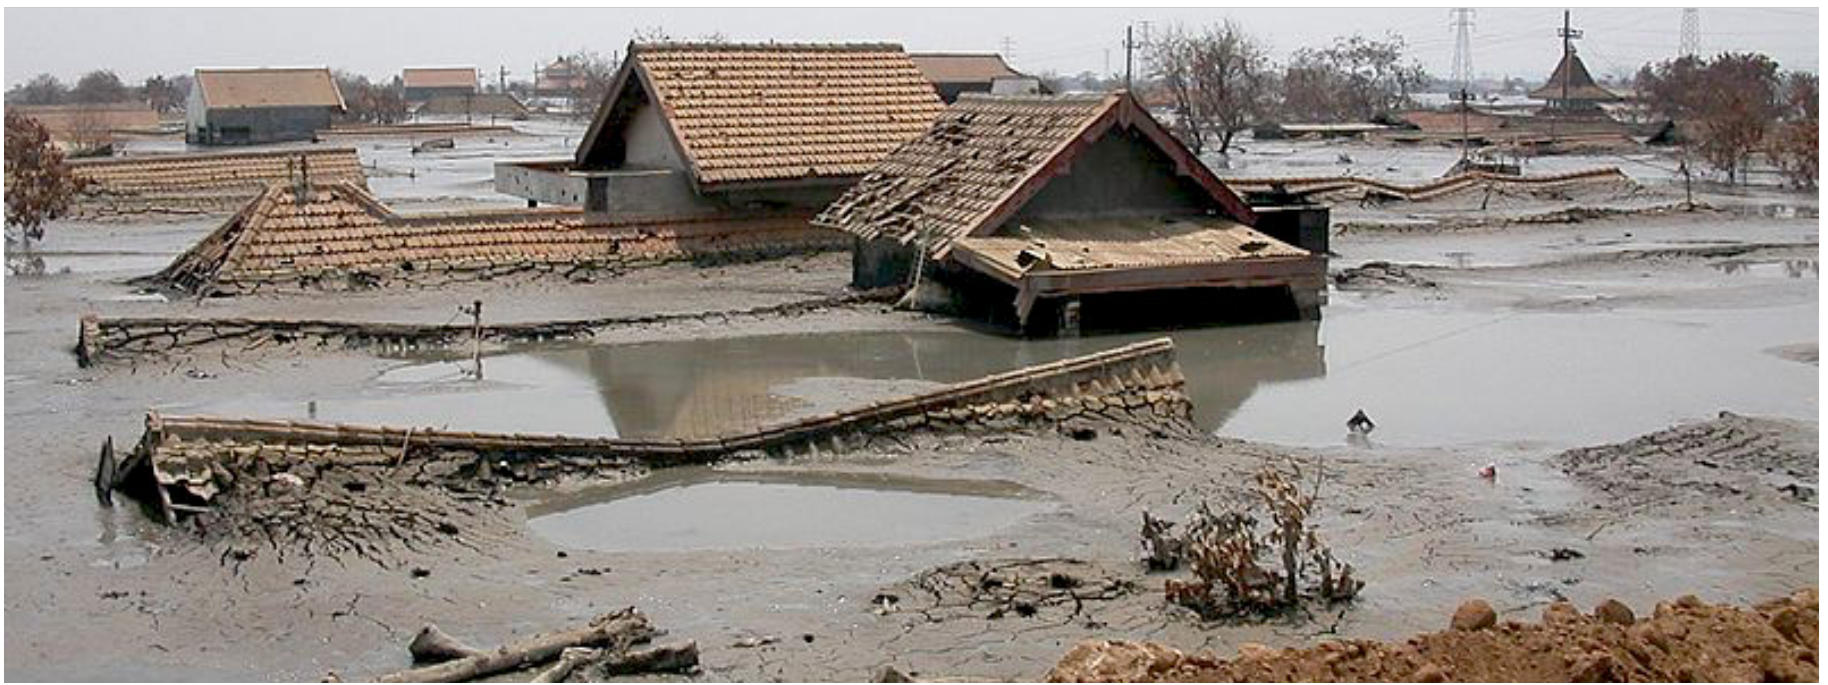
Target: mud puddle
[(691, 509)]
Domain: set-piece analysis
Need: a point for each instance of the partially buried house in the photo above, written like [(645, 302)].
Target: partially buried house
[(249, 106), (1056, 213), (723, 128)]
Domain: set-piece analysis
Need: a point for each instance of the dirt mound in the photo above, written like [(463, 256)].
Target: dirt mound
[(1684, 640), (1731, 456)]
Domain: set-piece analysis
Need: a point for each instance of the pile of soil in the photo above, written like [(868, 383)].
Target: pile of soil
[(1684, 640)]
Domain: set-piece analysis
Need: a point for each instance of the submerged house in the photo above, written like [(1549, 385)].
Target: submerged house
[(422, 84), (247, 106), (691, 129), (1056, 213), (956, 73)]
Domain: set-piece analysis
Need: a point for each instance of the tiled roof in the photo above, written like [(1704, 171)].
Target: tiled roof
[(984, 158), (439, 77), (776, 112), (243, 173), (340, 227), (66, 121), (233, 88), (1076, 245), (1580, 86), (952, 67)]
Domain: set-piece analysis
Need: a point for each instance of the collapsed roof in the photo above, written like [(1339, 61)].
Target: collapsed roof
[(756, 114), (988, 155)]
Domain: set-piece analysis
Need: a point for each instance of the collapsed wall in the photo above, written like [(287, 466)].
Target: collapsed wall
[(336, 236), (1359, 187), (317, 481), (201, 183)]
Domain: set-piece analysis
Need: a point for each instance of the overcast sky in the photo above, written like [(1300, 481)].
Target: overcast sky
[(141, 42)]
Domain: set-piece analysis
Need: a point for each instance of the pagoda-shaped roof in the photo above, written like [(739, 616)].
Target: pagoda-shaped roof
[(1580, 83)]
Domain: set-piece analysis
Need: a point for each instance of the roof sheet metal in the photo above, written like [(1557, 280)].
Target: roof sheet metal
[(772, 112), (245, 88)]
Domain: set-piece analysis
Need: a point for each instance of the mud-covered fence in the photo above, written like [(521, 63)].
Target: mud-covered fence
[(183, 463), (102, 340)]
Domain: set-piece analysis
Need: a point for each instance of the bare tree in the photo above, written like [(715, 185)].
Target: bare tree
[(1355, 79), (592, 76), (39, 186), (371, 102), (100, 87), (1795, 146), (1218, 81), (43, 89), (1732, 100)]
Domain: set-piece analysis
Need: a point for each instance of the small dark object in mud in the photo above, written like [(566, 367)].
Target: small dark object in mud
[(1564, 554), (562, 554), (1083, 433), (421, 572), (447, 527), (807, 637), (1360, 423)]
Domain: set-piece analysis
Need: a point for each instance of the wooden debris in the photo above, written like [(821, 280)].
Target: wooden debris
[(431, 646), (569, 660), (613, 632)]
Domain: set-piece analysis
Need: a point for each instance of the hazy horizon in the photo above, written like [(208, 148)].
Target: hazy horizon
[(379, 42)]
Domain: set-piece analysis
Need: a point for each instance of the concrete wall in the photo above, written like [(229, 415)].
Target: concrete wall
[(1121, 175), (648, 142), (881, 263), (253, 125), (1304, 226)]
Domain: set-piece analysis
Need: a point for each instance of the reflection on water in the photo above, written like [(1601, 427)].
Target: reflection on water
[(698, 509), (1427, 377)]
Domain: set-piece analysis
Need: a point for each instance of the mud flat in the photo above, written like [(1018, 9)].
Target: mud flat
[(1585, 361)]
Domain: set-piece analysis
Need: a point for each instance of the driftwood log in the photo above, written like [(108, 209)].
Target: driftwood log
[(569, 660), (612, 631), (662, 659), (433, 646)]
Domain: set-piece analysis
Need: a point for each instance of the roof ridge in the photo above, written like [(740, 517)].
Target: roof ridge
[(660, 46)]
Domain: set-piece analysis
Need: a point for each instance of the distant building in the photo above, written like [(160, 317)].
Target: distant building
[(719, 128), (558, 79), (424, 84), (1053, 213), (473, 106), (247, 106), (1572, 90), (955, 73)]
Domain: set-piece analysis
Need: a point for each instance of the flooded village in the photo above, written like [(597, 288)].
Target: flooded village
[(752, 357)]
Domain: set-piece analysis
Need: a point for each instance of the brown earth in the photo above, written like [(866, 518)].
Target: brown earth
[(1684, 640)]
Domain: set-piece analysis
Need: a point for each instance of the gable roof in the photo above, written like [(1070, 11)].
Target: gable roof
[(276, 240), (987, 156), (963, 67), (1581, 85), (236, 88), (769, 113), (439, 77)]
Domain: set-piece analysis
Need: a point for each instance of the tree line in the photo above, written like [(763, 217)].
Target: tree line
[(1734, 106)]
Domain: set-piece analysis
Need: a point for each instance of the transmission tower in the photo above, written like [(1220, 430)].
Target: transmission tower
[(1691, 32), (1463, 45)]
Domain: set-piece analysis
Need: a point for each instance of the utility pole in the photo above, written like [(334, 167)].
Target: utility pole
[(1463, 45), (1566, 71), (502, 79), (1691, 32), (475, 312), (1129, 48), (1465, 97)]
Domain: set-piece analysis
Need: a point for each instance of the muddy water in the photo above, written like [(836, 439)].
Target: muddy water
[(1442, 376), (703, 509)]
